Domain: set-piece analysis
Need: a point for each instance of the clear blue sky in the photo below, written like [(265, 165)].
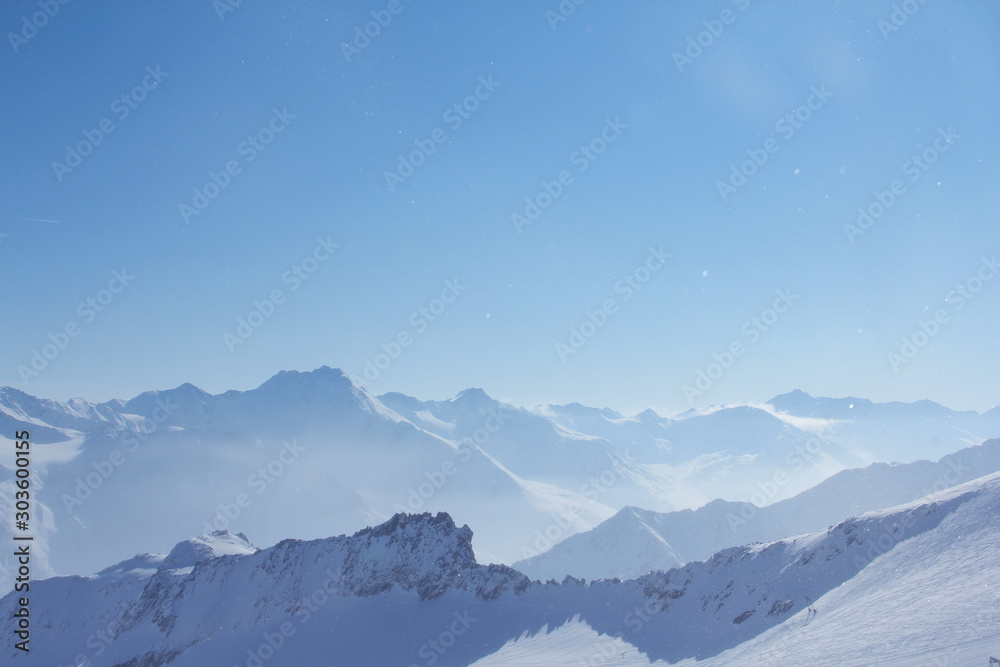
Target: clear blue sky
[(560, 83)]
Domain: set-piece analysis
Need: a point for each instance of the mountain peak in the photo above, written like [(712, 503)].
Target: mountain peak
[(403, 522), (630, 512), (188, 388), (328, 372), (473, 395), (323, 374), (215, 544), (140, 563), (793, 395), (324, 386), (579, 410), (418, 530), (649, 414), (186, 394)]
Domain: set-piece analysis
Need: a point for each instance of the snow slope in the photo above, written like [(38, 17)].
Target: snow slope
[(932, 599), (925, 594), (636, 541)]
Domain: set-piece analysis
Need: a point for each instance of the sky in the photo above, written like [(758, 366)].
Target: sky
[(629, 204)]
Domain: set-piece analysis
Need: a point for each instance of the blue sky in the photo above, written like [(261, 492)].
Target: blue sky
[(329, 122)]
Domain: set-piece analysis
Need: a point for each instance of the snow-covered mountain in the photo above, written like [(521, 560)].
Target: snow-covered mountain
[(901, 432), (636, 541), (213, 598), (932, 598), (671, 463), (528, 445), (925, 594), (51, 421), (890, 580), (252, 460)]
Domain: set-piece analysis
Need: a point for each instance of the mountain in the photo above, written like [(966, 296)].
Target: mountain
[(252, 460), (51, 421), (637, 541), (84, 619), (931, 599), (213, 598), (902, 573), (924, 594), (660, 463), (526, 444), (628, 545), (900, 432)]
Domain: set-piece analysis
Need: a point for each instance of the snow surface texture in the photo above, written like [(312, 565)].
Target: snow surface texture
[(924, 597), (914, 584), (307, 455)]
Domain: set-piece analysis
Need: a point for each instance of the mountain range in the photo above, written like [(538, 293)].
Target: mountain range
[(909, 583), (636, 541), (740, 534), (307, 455)]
